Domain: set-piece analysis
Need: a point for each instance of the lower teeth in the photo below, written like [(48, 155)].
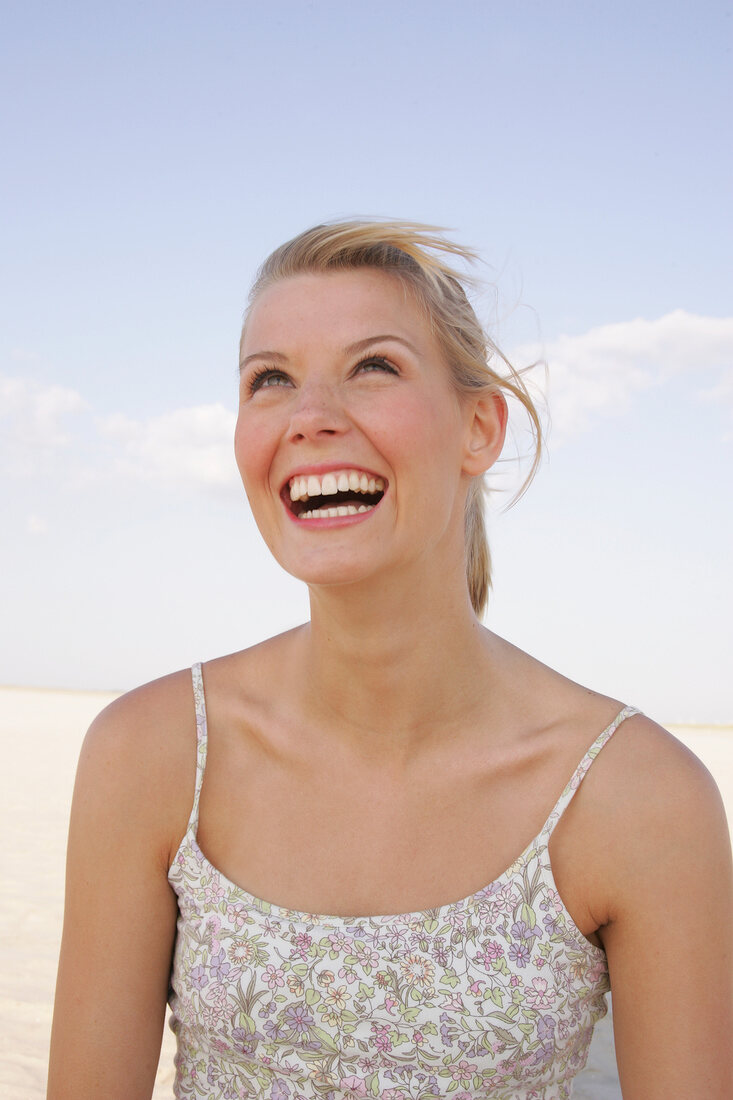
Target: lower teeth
[(341, 510)]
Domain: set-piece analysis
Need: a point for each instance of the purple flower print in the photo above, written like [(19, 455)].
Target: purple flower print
[(274, 1030), (552, 924), (246, 1040), (521, 931), (298, 1017), (219, 967), (519, 953), (546, 1029), (199, 977), (279, 1091)]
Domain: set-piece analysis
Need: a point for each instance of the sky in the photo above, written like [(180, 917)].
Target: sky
[(154, 155)]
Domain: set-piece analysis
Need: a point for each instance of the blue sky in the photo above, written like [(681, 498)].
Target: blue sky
[(154, 154)]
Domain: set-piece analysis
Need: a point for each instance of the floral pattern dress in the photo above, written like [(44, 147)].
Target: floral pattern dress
[(494, 995)]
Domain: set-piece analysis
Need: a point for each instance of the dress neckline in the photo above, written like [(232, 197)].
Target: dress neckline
[(539, 843)]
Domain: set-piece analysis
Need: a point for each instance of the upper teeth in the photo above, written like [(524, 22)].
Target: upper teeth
[(336, 481)]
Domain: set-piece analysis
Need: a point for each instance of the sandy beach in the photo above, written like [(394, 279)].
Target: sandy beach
[(40, 735)]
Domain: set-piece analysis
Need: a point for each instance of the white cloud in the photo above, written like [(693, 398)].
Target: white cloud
[(36, 525), (35, 422), (38, 413), (599, 371), (190, 447)]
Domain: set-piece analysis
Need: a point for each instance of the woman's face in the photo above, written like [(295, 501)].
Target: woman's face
[(351, 438)]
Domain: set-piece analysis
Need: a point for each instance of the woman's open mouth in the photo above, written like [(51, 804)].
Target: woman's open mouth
[(338, 493)]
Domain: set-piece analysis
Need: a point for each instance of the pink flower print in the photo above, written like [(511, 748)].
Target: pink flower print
[(382, 1040), (453, 1001), (389, 1004), (302, 943), (338, 941), (539, 996), (475, 987), (211, 1016), (419, 1037), (349, 973), (463, 1072), (366, 956), (440, 953), (236, 915), (514, 981), (220, 993), (457, 920), (274, 976), (503, 898), (213, 893), (354, 1086), (492, 950)]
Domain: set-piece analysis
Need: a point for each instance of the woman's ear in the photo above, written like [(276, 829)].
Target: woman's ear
[(487, 431)]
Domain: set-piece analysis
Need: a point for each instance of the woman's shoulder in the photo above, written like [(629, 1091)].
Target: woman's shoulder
[(147, 721), (648, 811), (644, 789), (138, 759)]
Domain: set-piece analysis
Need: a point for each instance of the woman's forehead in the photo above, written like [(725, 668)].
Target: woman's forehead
[(339, 304)]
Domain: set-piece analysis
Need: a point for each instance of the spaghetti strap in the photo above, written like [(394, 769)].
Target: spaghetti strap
[(201, 742), (579, 774)]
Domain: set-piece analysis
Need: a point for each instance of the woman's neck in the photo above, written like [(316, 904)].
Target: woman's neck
[(387, 669)]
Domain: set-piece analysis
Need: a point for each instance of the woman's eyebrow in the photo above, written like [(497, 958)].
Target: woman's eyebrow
[(351, 349), (361, 345), (273, 356)]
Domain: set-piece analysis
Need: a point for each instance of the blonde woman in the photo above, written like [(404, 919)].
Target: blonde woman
[(386, 853)]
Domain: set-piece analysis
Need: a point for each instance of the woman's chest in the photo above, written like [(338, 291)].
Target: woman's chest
[(329, 839)]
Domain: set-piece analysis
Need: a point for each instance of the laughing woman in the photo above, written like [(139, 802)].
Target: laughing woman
[(386, 853)]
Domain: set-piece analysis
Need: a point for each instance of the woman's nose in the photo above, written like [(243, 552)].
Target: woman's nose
[(317, 411)]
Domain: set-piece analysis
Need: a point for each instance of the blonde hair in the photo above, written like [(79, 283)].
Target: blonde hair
[(417, 255)]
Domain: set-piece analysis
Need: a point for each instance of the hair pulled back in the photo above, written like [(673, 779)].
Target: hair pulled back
[(418, 255)]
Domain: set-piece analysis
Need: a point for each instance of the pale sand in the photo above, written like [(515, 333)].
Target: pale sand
[(40, 737)]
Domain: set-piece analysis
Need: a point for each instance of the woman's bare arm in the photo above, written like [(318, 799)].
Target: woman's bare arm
[(133, 789), (669, 938)]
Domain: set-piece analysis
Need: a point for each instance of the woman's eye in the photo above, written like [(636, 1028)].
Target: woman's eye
[(266, 379), (367, 366)]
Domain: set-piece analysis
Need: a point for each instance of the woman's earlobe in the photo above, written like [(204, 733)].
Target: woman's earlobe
[(487, 432)]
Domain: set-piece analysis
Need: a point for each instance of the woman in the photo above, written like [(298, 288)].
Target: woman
[(388, 757)]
